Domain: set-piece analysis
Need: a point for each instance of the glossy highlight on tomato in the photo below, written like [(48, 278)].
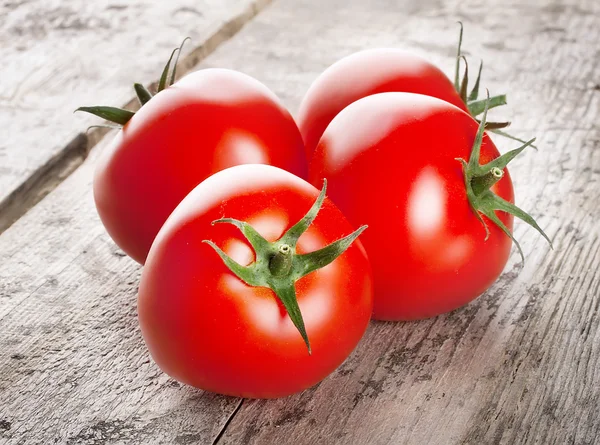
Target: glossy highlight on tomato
[(391, 162), (207, 328), (363, 74), (208, 121)]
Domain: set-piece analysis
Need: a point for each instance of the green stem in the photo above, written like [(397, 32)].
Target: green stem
[(281, 261), (480, 178), (120, 116), (486, 181), (474, 105), (277, 266)]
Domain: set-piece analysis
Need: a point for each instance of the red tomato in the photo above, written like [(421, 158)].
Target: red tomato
[(365, 73), (390, 160), (209, 120), (205, 327)]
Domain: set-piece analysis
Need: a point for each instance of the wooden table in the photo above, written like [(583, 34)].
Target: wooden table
[(518, 365)]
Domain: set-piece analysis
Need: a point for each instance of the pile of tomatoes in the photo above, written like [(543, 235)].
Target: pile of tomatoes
[(258, 280)]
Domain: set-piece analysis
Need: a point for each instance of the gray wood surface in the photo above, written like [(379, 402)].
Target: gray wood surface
[(72, 366), (58, 55), (518, 365)]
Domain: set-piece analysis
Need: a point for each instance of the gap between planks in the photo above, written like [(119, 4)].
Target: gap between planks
[(226, 424), (49, 175)]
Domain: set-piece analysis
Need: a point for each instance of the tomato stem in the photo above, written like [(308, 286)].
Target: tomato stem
[(486, 181), (120, 116), (480, 178), (281, 261), (277, 266), (474, 105)]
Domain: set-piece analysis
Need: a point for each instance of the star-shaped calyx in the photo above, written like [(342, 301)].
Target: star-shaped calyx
[(480, 178), (277, 266)]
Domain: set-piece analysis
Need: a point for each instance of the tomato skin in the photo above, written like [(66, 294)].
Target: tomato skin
[(205, 327), (365, 73), (390, 163), (209, 120)]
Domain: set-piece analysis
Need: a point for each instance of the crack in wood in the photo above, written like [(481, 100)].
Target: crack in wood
[(228, 422)]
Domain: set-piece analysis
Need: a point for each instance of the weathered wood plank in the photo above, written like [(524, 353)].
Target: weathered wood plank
[(72, 366), (58, 55), (519, 365)]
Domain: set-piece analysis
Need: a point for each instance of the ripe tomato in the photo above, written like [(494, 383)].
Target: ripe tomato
[(208, 324), (365, 73), (209, 120), (391, 162)]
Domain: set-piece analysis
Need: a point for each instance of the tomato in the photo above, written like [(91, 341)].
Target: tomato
[(208, 325), (391, 162), (209, 120), (365, 73)]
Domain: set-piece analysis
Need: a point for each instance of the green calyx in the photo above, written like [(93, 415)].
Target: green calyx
[(480, 178), (120, 116), (471, 99), (277, 266)]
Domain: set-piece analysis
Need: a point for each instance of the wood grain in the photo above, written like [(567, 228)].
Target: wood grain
[(517, 366), (73, 367), (58, 55)]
